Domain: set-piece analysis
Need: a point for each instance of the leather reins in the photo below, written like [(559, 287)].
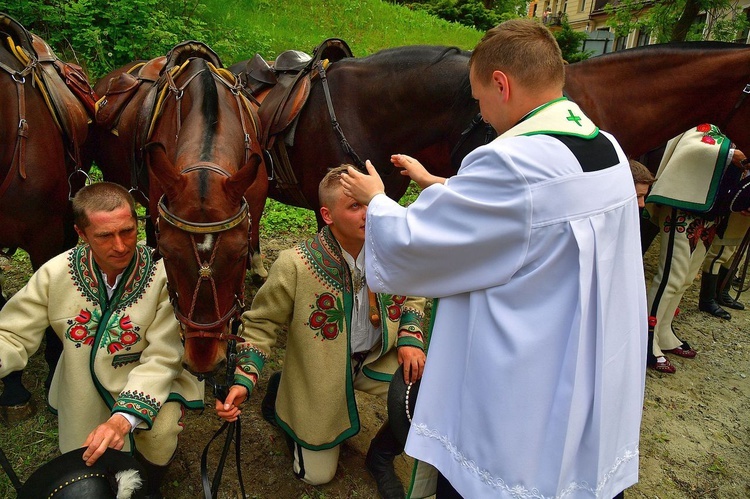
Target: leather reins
[(233, 429)]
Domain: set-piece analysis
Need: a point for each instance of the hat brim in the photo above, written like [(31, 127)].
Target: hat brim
[(402, 399), (68, 476)]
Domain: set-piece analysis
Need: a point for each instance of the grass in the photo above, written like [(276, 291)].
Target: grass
[(269, 27)]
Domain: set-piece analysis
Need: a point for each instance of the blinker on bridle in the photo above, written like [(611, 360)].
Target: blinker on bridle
[(199, 329)]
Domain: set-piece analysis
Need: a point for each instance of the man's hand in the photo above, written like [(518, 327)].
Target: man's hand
[(412, 359), (362, 187), (415, 170), (229, 410), (110, 434)]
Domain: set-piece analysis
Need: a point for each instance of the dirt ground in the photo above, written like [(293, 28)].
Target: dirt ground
[(695, 437)]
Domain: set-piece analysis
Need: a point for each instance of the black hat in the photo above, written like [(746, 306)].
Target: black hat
[(67, 476), (402, 398)]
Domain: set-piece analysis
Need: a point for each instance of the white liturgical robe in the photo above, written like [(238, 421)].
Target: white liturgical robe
[(535, 372)]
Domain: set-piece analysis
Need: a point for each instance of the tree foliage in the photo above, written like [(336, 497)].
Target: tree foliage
[(570, 41), (678, 20), (104, 34), (479, 14)]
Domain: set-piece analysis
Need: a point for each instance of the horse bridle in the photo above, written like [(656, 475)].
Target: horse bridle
[(201, 329)]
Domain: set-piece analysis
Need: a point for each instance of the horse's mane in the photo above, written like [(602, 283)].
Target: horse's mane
[(419, 58), (423, 55)]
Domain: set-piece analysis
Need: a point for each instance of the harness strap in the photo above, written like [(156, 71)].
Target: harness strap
[(348, 149), (18, 163)]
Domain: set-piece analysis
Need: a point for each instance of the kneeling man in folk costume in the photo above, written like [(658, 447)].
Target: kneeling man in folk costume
[(534, 382), (341, 337), (119, 382)]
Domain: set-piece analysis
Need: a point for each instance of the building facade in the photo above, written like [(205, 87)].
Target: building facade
[(589, 16)]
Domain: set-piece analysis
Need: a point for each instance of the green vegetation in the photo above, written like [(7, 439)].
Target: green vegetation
[(101, 35)]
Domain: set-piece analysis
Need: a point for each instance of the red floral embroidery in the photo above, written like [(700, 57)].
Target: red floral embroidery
[(114, 347), (318, 319), (83, 317), (327, 320), (330, 331), (394, 312), (705, 127), (128, 338), (78, 333), (125, 323), (326, 301)]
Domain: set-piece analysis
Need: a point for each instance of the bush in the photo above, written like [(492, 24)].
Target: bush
[(104, 34)]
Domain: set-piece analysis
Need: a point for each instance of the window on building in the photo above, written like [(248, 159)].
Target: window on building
[(621, 43), (643, 38), (582, 6)]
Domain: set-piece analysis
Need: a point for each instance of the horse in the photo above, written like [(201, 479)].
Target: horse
[(648, 95), (196, 135), (43, 131), (413, 100), (417, 100)]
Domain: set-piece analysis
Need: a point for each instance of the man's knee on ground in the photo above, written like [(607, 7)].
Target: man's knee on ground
[(319, 477)]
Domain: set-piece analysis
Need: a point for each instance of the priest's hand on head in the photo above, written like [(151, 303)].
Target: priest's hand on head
[(362, 187)]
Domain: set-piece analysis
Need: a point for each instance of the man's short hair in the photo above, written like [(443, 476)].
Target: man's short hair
[(100, 196), (523, 49), (331, 184), (641, 174)]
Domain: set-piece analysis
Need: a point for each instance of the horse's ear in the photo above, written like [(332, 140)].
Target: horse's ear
[(163, 169), (242, 179)]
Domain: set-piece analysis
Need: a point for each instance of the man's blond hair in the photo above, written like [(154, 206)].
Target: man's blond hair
[(522, 49), (101, 196), (330, 185)]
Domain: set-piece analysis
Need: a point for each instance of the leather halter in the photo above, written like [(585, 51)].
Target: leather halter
[(204, 330)]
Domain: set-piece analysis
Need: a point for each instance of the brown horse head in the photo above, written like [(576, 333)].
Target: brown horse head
[(202, 157)]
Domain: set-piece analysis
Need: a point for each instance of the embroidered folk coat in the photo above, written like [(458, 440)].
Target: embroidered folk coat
[(309, 289), (119, 355)]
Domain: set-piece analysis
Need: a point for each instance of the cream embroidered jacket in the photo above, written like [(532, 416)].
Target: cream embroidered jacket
[(119, 355)]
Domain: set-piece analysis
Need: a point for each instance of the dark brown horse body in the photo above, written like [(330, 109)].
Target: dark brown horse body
[(38, 161), (649, 95), (413, 100), (202, 156)]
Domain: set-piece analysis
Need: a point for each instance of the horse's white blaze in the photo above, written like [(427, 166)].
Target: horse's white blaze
[(207, 244)]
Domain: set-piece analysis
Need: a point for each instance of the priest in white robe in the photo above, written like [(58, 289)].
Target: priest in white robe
[(535, 372)]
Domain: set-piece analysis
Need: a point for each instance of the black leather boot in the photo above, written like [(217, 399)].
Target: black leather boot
[(707, 300), (268, 405), (15, 400), (154, 476), (724, 298), (379, 462)]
